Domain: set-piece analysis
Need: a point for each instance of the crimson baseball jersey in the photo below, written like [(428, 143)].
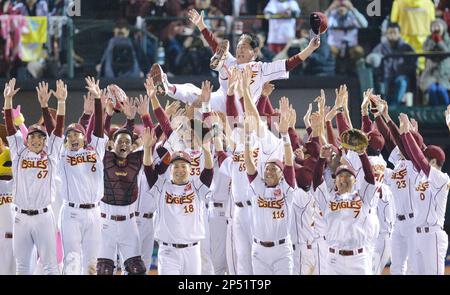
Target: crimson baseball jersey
[(34, 174)]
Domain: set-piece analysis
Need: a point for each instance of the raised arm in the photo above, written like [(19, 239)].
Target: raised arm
[(197, 20), (88, 110), (129, 110), (325, 152), (289, 173), (447, 117), (248, 159), (9, 94), (208, 171), (149, 140), (142, 105), (159, 112), (44, 95), (61, 95), (294, 61), (382, 126), (98, 95), (366, 126)]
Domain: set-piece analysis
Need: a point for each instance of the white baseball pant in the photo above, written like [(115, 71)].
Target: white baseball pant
[(231, 248), (80, 233), (431, 251), (275, 260), (242, 238), (307, 259), (147, 238), (207, 267), (382, 253), (322, 253), (296, 259), (7, 261), (357, 264), (218, 239), (179, 261), (403, 248), (37, 230), (122, 236)]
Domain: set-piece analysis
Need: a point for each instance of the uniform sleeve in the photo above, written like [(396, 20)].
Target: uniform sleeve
[(99, 144), (55, 144), (274, 71), (257, 187), (367, 192), (226, 166), (322, 196), (201, 189), (158, 187), (16, 144), (438, 179), (301, 198), (353, 159)]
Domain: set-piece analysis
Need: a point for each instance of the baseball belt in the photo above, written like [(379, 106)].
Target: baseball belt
[(117, 217), (347, 252), (31, 212), (403, 217), (8, 235), (269, 244), (145, 215), (179, 246), (241, 205), (427, 229), (82, 206)]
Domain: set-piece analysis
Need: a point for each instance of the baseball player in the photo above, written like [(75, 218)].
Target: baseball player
[(400, 180), (246, 51), (81, 171), (7, 262), (179, 224), (345, 212), (271, 213), (34, 170), (430, 201)]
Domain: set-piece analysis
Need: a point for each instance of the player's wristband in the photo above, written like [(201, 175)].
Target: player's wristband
[(206, 107), (286, 139), (215, 128), (340, 110)]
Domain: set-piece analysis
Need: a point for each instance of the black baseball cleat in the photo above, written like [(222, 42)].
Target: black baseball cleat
[(159, 79), (218, 58)]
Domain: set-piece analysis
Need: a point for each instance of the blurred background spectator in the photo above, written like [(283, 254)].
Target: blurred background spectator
[(344, 20), (443, 10), (32, 7), (393, 75), (281, 30), (435, 80)]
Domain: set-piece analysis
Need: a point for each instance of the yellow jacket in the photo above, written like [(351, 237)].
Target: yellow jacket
[(413, 16)]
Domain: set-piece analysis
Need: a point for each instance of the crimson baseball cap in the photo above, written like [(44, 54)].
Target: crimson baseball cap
[(37, 128), (435, 152), (181, 156), (75, 127), (303, 176), (277, 163), (376, 140), (318, 22), (345, 168), (313, 149)]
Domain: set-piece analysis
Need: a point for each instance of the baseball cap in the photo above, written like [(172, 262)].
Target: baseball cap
[(318, 22), (76, 127), (376, 140), (180, 155), (37, 128), (435, 152), (345, 168), (303, 176), (313, 149), (276, 162)]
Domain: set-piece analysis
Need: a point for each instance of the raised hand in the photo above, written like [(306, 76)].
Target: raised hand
[(109, 108), (267, 90), (150, 87), (306, 118), (149, 138), (9, 91), (247, 76), (404, 123), (197, 19), (326, 151), (366, 101), (292, 117), (61, 91), (284, 122), (299, 153), (142, 105), (172, 108), (330, 114), (315, 121), (205, 95), (447, 117), (88, 106), (284, 105), (414, 125), (233, 80), (129, 108), (93, 87), (43, 94), (314, 43)]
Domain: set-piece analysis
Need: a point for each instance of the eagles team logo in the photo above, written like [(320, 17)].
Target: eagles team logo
[(399, 175), (277, 192), (188, 187)]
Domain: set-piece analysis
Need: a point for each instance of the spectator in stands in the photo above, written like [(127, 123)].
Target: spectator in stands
[(396, 73), (120, 58), (163, 9), (265, 54), (32, 7), (435, 80), (414, 18), (344, 20), (321, 62), (309, 6), (443, 10), (282, 22), (57, 7), (7, 7), (209, 11)]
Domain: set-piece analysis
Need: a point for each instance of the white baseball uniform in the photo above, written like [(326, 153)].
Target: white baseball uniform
[(7, 262), (262, 73), (430, 202), (303, 207), (179, 225), (401, 181), (82, 189), (34, 189), (281, 30), (347, 228), (271, 223)]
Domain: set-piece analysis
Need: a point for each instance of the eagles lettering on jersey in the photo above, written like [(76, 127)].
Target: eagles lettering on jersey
[(347, 204), (80, 159), (180, 200), (275, 204), (7, 199), (41, 164), (423, 186), (399, 175)]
